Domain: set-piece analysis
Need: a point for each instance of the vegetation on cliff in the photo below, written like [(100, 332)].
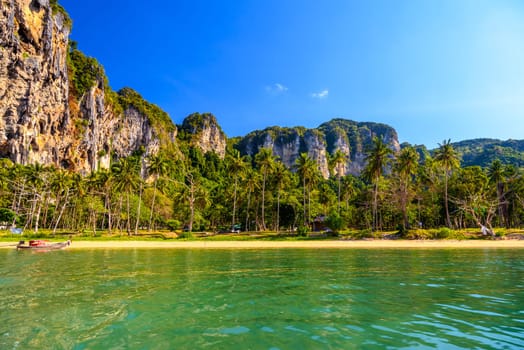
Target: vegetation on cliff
[(483, 152), (84, 72), (57, 8)]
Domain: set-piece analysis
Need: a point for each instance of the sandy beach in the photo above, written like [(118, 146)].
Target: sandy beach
[(340, 244)]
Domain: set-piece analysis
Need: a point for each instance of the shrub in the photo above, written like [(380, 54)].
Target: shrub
[(366, 233), (302, 231), (334, 222), (444, 233), (401, 230), (419, 234), (173, 224), (186, 234)]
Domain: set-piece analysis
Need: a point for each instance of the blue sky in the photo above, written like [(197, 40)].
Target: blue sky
[(432, 69)]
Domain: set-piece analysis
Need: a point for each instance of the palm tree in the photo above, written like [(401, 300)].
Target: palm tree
[(265, 161), (159, 166), (237, 166), (338, 160), (193, 191), (37, 176), (448, 159), (406, 166), (281, 179), (307, 170), (251, 185), (104, 180), (377, 159), (61, 186), (127, 180)]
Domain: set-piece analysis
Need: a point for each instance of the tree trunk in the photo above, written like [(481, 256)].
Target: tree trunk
[(128, 216), (138, 209), (278, 211), (152, 205), (339, 181), (61, 211), (247, 210), (375, 206), (37, 220), (304, 200), (448, 220), (234, 202), (109, 213), (263, 225)]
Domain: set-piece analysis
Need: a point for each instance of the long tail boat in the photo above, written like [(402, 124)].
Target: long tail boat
[(39, 244)]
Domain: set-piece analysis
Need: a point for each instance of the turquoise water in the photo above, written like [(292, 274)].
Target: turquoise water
[(265, 299)]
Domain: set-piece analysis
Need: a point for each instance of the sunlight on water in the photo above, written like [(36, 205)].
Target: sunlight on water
[(268, 299)]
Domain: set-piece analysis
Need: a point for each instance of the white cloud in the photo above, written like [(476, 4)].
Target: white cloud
[(320, 95), (276, 88)]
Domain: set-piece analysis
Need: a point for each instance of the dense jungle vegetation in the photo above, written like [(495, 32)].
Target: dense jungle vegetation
[(201, 192)]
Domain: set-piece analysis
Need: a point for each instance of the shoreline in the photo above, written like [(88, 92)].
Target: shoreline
[(340, 244)]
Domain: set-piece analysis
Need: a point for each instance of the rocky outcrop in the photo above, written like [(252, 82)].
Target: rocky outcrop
[(53, 112), (354, 138), (203, 131), (349, 137), (34, 115)]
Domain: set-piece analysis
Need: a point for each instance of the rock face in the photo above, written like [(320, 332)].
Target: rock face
[(34, 115), (351, 138), (203, 132), (42, 120)]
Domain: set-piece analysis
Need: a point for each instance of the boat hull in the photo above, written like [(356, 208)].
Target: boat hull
[(43, 247)]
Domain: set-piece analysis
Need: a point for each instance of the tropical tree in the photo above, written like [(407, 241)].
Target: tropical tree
[(265, 161), (448, 159), (159, 166), (338, 160), (377, 160), (236, 166), (471, 192), (127, 180), (38, 180), (61, 183), (281, 179), (406, 166), (308, 172), (250, 186), (496, 175)]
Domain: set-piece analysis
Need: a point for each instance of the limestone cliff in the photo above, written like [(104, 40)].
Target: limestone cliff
[(203, 131), (351, 138), (56, 106), (354, 138), (34, 114)]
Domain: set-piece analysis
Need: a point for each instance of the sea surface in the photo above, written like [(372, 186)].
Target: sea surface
[(262, 299)]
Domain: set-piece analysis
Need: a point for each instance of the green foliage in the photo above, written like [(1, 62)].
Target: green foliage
[(483, 152), (84, 72), (186, 235), (334, 222), (196, 122), (302, 231), (440, 233), (7, 215), (361, 234), (444, 233), (173, 224)]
